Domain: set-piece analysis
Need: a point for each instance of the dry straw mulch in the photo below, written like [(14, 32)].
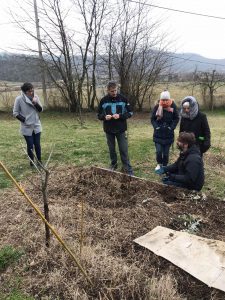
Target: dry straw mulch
[(117, 209)]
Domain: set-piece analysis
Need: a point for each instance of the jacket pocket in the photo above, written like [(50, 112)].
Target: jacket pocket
[(108, 110)]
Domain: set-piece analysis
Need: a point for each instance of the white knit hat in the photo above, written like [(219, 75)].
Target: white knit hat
[(165, 95)]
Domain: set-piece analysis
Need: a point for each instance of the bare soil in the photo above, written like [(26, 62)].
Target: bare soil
[(117, 209)]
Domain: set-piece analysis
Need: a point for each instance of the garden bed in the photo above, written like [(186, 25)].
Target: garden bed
[(117, 209)]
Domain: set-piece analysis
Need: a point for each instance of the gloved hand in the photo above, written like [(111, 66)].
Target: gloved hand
[(165, 179), (160, 171), (171, 176)]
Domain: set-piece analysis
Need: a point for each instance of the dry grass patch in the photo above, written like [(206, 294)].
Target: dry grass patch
[(117, 210)]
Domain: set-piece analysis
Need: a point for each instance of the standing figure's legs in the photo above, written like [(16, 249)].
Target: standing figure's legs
[(112, 149), (123, 148)]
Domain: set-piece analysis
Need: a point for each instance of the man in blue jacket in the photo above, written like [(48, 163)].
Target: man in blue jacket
[(114, 110), (188, 170)]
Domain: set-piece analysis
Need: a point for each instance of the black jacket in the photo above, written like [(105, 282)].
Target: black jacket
[(188, 169), (109, 106), (164, 128), (200, 127)]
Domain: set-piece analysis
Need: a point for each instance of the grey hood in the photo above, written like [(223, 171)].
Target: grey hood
[(194, 108)]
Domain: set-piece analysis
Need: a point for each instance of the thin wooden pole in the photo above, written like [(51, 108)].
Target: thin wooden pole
[(45, 221)]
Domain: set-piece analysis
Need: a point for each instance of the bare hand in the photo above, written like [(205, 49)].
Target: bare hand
[(34, 100), (116, 116), (108, 117)]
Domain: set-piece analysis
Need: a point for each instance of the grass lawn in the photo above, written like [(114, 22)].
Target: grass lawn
[(87, 146)]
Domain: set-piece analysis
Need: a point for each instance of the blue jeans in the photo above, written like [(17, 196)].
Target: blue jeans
[(162, 153), (123, 149), (33, 142)]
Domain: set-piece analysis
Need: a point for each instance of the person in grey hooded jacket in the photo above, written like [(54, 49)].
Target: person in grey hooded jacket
[(26, 109), (192, 120)]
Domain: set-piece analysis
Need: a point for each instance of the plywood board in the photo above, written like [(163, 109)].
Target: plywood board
[(202, 258)]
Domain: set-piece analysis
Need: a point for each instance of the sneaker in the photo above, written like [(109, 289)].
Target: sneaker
[(157, 167), (130, 173)]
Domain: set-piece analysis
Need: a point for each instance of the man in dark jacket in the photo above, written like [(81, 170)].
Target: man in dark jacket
[(192, 120), (114, 110), (188, 170)]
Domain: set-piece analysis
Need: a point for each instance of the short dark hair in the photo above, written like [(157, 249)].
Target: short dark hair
[(187, 138), (27, 86), (111, 84)]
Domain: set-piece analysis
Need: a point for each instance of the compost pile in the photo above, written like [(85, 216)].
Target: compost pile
[(116, 209)]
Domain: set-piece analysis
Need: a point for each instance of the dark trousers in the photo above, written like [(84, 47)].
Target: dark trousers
[(33, 142), (162, 153), (166, 181), (123, 149)]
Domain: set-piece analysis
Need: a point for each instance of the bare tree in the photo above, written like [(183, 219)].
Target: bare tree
[(146, 68), (129, 46), (136, 53), (210, 81), (56, 48), (93, 13)]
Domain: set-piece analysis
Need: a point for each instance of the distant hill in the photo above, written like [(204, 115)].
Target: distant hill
[(18, 67), (188, 62)]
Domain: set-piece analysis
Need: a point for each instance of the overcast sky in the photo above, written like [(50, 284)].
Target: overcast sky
[(195, 34), (201, 35)]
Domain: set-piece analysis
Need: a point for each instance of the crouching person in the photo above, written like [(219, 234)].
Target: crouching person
[(188, 171)]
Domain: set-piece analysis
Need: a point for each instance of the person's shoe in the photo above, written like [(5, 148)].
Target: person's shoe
[(130, 173), (113, 167), (31, 164), (157, 168)]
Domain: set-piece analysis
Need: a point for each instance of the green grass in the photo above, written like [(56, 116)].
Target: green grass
[(15, 295), (10, 290), (8, 256), (86, 146)]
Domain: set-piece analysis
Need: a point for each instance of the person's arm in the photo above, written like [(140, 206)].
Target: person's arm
[(192, 167), (153, 117), (173, 168), (16, 111), (37, 103), (181, 125), (127, 111), (101, 113), (207, 133), (175, 117)]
